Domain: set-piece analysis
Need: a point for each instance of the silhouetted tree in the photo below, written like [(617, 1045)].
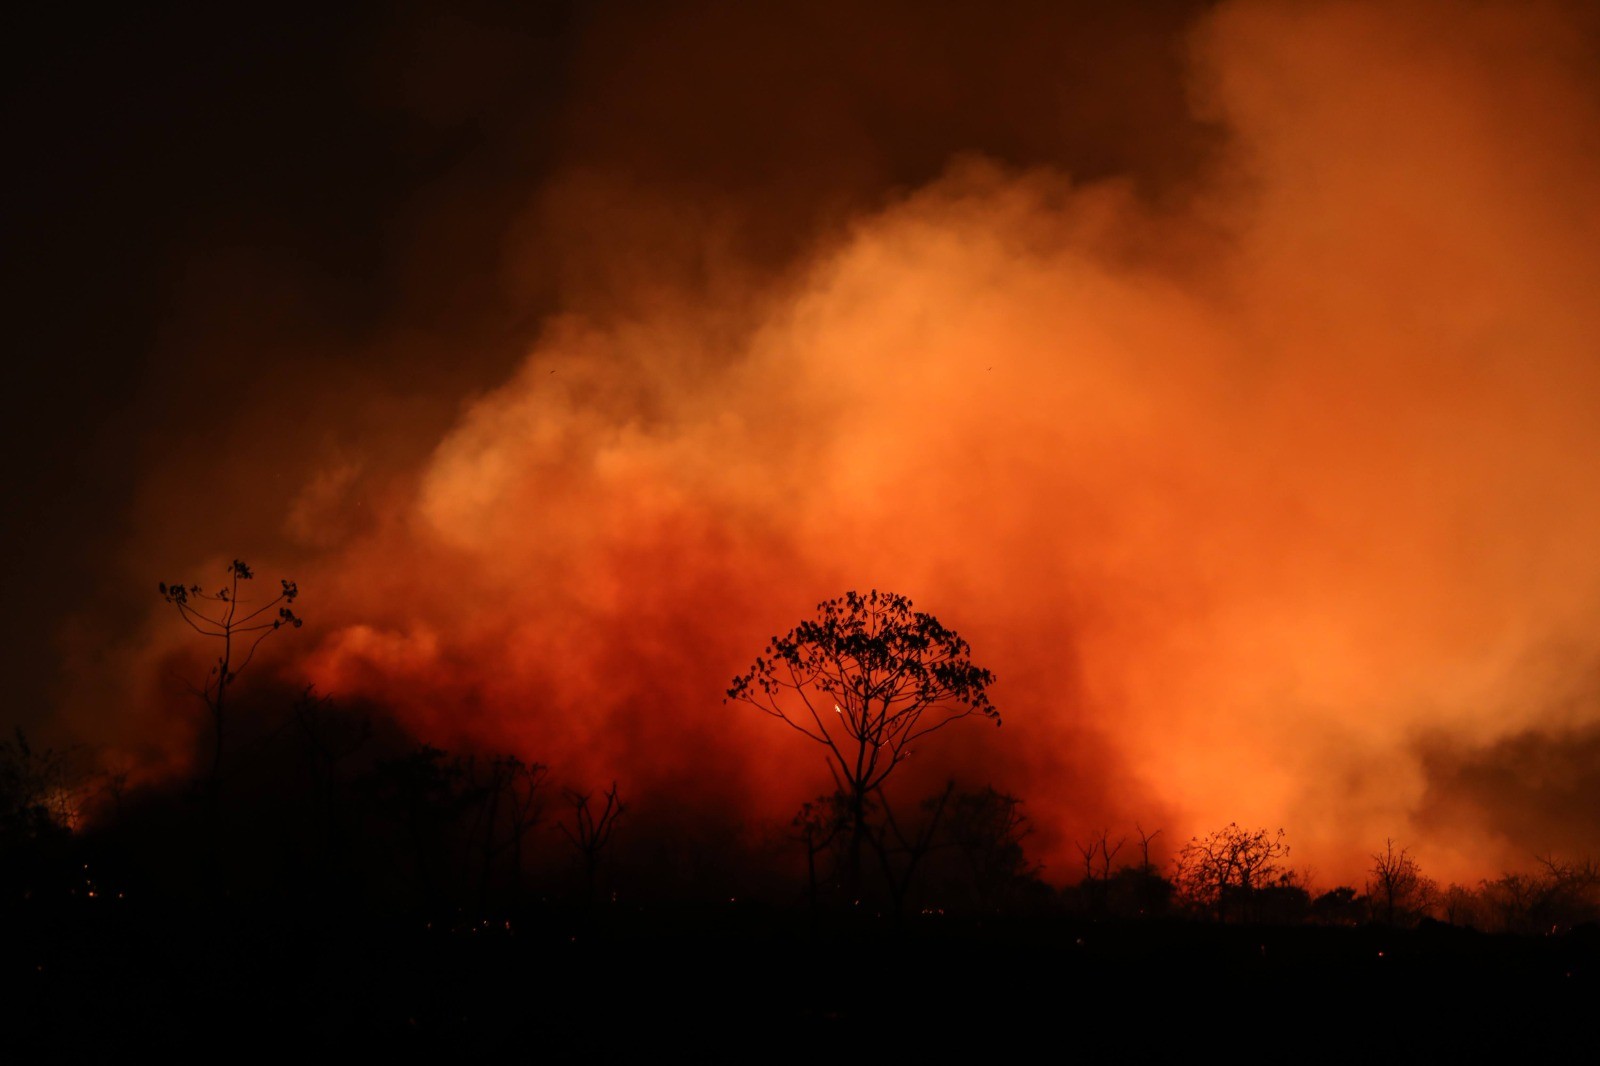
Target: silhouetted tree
[(1138, 890), (1097, 855), (1339, 906), (240, 627), (866, 679), (1570, 891), (590, 831), (1460, 905), (1551, 900), (1220, 871), (510, 805), (1283, 900), (818, 825), (423, 790), (987, 828), (36, 815), (1397, 891), (1145, 840), (1099, 852), (902, 847), (1510, 901)]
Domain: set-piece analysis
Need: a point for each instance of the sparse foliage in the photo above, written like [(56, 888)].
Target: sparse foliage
[(866, 679), (240, 627), (1460, 905), (1551, 900), (1220, 871), (1398, 892), (988, 828)]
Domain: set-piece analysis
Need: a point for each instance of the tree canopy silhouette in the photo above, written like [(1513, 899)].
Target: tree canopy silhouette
[(1225, 867), (866, 679), (240, 627), (1399, 892)]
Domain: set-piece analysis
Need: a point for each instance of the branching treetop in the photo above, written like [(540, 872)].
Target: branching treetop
[(865, 678), (221, 614)]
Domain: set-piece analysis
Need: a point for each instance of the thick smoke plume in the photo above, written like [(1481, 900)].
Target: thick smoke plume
[(1251, 474)]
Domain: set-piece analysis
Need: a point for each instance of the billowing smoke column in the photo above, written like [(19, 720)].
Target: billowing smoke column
[(1273, 499)]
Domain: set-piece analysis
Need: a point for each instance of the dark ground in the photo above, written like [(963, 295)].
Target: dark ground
[(101, 977)]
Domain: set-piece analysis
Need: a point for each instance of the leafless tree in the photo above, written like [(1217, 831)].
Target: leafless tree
[(1572, 894), (1097, 853), (591, 830), (1461, 905), (1553, 899), (901, 848), (510, 805), (1398, 892), (1099, 845), (1145, 840), (1226, 866)]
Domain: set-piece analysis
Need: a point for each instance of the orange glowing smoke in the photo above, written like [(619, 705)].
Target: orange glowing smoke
[(1247, 496)]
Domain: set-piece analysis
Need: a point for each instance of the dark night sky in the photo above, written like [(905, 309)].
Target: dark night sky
[(146, 147)]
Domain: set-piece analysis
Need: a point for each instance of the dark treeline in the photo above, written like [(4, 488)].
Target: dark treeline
[(318, 807), (324, 806), (358, 883)]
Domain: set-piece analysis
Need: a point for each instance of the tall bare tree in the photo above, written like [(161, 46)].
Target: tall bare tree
[(239, 626), (1396, 889), (591, 829), (1222, 869), (510, 805)]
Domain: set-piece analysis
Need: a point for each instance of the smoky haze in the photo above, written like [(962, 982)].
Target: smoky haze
[(1224, 375)]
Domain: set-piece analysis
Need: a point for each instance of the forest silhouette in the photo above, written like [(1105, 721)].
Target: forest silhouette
[(321, 867)]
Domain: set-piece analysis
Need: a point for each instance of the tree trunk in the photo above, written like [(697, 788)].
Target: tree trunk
[(858, 835)]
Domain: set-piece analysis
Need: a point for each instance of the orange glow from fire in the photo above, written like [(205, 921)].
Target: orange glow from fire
[(1248, 497)]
